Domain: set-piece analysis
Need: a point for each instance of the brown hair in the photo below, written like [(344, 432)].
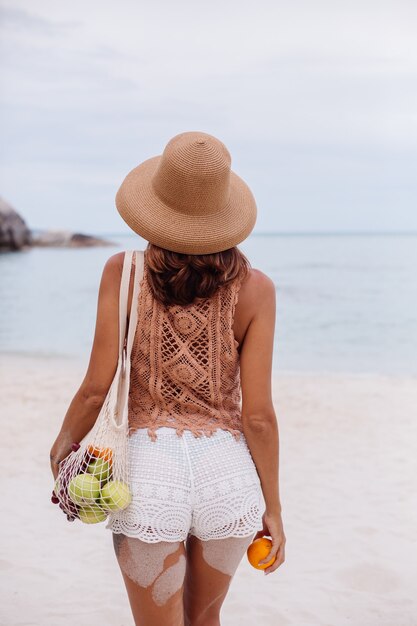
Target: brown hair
[(177, 278)]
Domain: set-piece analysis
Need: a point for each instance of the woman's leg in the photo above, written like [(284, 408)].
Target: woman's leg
[(211, 566), (154, 575)]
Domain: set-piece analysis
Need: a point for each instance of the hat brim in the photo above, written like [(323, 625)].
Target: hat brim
[(148, 216)]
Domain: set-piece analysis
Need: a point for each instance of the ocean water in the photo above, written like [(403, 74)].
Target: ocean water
[(344, 302)]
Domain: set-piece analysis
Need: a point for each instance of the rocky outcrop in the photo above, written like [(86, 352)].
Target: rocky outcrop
[(67, 239), (14, 232)]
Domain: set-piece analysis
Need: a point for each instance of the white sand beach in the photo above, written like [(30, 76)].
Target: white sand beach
[(348, 481)]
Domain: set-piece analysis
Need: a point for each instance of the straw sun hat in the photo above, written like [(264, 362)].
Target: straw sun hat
[(187, 199)]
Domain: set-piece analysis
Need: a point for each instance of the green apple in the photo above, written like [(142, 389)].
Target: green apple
[(115, 496), (83, 489), (92, 514), (100, 468)]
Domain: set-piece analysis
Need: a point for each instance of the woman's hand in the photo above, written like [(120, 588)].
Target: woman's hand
[(272, 527), (59, 451)]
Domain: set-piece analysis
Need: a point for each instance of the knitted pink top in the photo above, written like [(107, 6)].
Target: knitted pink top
[(185, 365)]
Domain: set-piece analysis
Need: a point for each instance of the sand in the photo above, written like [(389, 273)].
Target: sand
[(348, 482)]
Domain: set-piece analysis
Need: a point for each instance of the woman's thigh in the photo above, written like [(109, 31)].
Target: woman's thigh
[(211, 566), (154, 578)]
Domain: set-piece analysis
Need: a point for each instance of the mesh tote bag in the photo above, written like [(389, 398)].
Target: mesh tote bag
[(93, 480)]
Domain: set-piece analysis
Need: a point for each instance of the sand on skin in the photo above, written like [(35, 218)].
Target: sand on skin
[(348, 481)]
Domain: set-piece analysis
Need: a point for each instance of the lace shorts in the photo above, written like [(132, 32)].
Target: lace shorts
[(205, 486)]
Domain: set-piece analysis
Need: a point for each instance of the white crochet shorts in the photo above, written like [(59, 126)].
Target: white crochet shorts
[(206, 486)]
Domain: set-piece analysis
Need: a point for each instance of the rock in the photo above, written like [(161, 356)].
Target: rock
[(79, 239), (51, 237), (67, 239), (14, 233)]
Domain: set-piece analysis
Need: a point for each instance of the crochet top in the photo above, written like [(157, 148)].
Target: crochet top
[(185, 364)]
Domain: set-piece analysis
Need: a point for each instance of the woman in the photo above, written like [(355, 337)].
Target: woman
[(204, 470)]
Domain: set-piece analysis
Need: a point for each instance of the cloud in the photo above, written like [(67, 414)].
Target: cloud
[(16, 19), (316, 102)]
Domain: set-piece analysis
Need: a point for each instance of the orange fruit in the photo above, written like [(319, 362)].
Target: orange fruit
[(101, 453), (258, 550)]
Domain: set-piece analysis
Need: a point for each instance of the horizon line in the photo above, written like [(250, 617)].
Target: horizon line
[(277, 233), (306, 233)]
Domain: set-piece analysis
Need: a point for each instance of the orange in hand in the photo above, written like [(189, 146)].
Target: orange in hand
[(101, 453), (258, 550)]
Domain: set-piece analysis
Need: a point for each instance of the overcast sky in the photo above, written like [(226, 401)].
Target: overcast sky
[(315, 100)]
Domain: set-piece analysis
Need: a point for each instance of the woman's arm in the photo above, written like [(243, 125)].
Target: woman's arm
[(87, 402), (259, 420)]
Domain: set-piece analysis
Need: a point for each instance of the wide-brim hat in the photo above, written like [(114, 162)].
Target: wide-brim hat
[(188, 199)]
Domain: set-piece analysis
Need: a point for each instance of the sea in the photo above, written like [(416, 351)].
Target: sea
[(345, 302)]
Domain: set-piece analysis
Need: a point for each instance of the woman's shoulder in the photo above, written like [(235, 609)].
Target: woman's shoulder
[(257, 292), (115, 262), (113, 269), (257, 283)]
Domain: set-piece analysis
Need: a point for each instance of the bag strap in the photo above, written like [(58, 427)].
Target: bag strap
[(123, 297), (133, 317), (120, 418)]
